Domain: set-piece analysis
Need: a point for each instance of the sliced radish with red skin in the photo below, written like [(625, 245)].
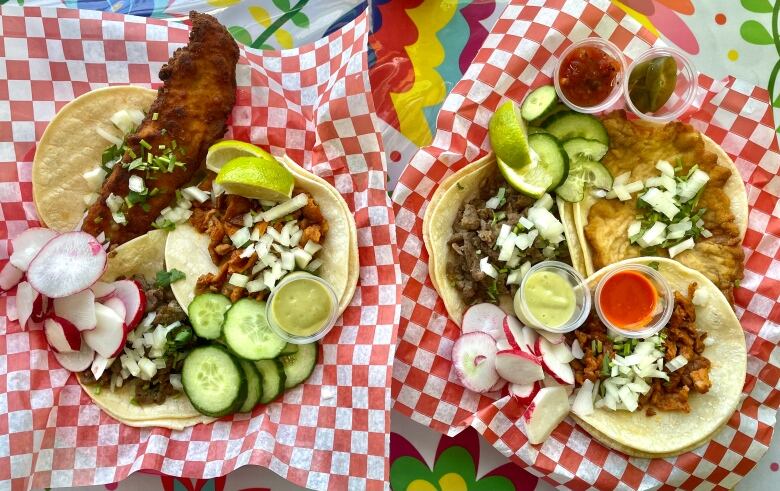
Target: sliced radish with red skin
[(558, 370), (78, 308), (513, 331), (518, 367), (576, 350), (108, 337), (474, 359), (561, 351), (62, 336), (553, 337), (28, 244), (76, 361), (549, 407), (117, 306), (132, 295), (102, 290), (529, 339), (524, 393), (484, 317), (549, 381), (40, 308), (25, 302), (67, 264), (498, 385), (10, 276)]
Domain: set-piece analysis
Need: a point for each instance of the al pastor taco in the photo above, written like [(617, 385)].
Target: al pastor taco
[(668, 393), (471, 217)]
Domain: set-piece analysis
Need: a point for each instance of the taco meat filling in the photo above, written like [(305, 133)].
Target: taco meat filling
[(222, 218), (475, 233), (175, 346), (680, 337)]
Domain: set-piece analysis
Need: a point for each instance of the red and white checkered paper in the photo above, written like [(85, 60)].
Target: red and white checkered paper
[(521, 52), (312, 103)]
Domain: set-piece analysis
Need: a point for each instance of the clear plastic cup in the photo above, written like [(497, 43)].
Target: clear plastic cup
[(323, 330), (665, 300), (684, 91), (582, 300), (617, 88)]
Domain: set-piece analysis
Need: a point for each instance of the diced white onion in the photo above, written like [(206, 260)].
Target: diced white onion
[(523, 241), (302, 258), (248, 251), (269, 279), (708, 341), (693, 185), (255, 286), (314, 265), (507, 247), (175, 380), (238, 279), (136, 115), (240, 237), (295, 237), (268, 259), (194, 193), (136, 183), (620, 193), (683, 225), (661, 202), (634, 187), (123, 121), (95, 178), (312, 247), (548, 252), (682, 246), (109, 137), (621, 179), (492, 203), (628, 398), (288, 261), (526, 223), (91, 198), (654, 234), (545, 202), (503, 233), (545, 222), (513, 278), (583, 401), (706, 233), (524, 269), (487, 268), (147, 369), (665, 167), (114, 202), (119, 217), (285, 208), (576, 350), (634, 228), (676, 363)]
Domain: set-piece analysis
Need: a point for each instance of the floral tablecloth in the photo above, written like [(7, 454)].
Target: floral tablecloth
[(418, 50)]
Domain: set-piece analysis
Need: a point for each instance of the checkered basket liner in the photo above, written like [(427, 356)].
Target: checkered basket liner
[(313, 103), (521, 53)]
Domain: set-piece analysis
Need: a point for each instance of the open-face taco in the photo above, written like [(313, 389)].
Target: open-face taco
[(472, 214), (676, 193), (242, 247), (139, 402), (693, 390)]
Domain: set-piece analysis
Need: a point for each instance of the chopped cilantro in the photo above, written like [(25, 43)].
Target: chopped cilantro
[(165, 278), (460, 186), (653, 264)]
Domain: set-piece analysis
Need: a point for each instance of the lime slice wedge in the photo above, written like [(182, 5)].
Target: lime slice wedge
[(256, 177), (532, 180), (223, 152), (508, 136)]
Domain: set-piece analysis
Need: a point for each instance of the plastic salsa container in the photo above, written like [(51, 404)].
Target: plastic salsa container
[(553, 297), (663, 73), (589, 75), (302, 308), (634, 300)]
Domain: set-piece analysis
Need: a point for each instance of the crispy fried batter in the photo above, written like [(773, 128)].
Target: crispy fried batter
[(192, 106), (638, 148)]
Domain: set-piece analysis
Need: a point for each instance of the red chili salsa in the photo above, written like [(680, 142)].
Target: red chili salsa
[(587, 76)]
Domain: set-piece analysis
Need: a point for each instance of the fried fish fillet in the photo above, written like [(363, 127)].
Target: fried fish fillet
[(637, 148), (188, 116)]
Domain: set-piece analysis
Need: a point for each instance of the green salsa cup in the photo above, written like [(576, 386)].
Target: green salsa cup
[(302, 308)]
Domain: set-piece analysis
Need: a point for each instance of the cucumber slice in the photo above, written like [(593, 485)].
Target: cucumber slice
[(254, 386), (568, 125), (596, 174), (552, 155), (213, 381), (538, 102), (289, 349), (207, 314), (272, 378), (583, 172), (547, 171), (582, 147), (558, 108), (298, 366), (532, 130), (247, 332), (573, 188)]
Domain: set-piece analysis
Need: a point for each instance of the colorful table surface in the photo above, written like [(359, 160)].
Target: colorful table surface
[(418, 50)]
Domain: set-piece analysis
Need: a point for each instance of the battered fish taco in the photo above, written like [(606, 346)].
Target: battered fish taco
[(676, 194), (482, 236), (668, 393)]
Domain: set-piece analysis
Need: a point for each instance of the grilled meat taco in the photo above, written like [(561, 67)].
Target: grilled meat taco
[(243, 247), (682, 400), (131, 399), (676, 194), (482, 235)]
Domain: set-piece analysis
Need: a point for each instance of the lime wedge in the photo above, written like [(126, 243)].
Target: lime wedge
[(223, 152), (256, 177), (532, 180), (508, 136)]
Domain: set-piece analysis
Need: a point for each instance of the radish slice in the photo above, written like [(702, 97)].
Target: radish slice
[(513, 331), (117, 306), (78, 308), (561, 352), (524, 393), (474, 359), (583, 401), (484, 317), (25, 302), (108, 336), (68, 264), (62, 336), (576, 350), (529, 338), (10, 276), (76, 361), (133, 297), (548, 409), (40, 307), (99, 365), (549, 381), (560, 371), (553, 337), (102, 290), (518, 367), (498, 385), (28, 244)]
